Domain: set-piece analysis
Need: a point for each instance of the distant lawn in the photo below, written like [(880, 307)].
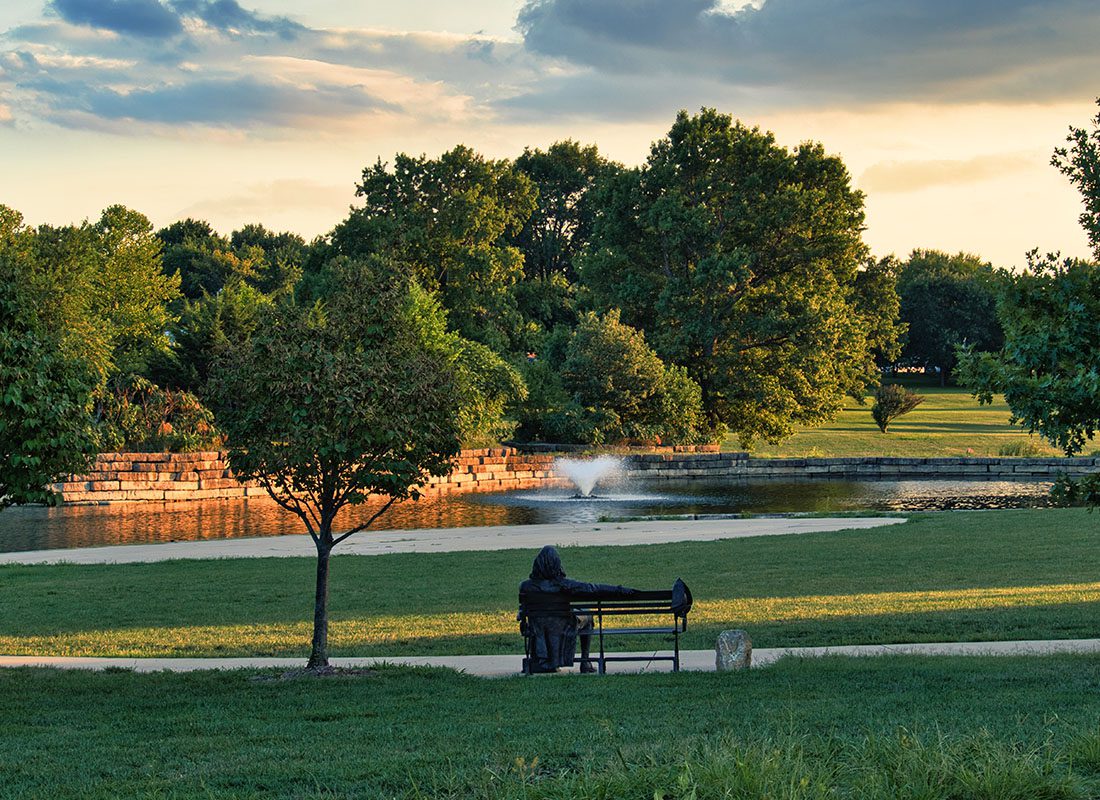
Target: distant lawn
[(876, 729), (954, 576), (949, 423)]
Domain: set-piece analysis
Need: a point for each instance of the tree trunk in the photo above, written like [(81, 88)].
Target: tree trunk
[(318, 656)]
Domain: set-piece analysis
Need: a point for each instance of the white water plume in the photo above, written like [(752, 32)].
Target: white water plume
[(587, 473)]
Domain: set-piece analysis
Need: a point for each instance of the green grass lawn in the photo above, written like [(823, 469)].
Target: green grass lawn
[(948, 423), (955, 576), (871, 728)]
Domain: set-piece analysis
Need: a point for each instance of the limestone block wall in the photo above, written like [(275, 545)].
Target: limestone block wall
[(135, 477), (131, 477), (741, 466)]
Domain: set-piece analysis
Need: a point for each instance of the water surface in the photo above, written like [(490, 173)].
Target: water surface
[(137, 523)]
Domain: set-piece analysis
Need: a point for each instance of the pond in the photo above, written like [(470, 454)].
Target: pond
[(24, 529)]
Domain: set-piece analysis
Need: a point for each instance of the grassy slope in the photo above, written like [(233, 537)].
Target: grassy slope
[(961, 728), (949, 423), (949, 576)]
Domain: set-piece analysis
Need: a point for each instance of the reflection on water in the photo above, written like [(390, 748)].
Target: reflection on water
[(134, 523)]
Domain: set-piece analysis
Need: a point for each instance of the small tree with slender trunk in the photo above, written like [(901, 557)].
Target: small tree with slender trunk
[(333, 404), (891, 402)]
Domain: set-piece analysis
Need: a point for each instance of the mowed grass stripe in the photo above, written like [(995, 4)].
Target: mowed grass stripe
[(950, 422), (374, 633)]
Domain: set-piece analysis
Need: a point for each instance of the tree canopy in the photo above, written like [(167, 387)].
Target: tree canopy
[(1049, 366), (947, 301), (47, 377), (333, 403), (738, 258), (448, 222)]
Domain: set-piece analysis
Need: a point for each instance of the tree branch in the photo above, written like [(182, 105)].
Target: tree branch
[(366, 524), (295, 508)]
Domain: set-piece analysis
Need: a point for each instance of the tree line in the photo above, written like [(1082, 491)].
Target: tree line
[(720, 287)]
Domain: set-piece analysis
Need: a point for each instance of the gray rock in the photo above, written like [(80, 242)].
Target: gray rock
[(733, 651)]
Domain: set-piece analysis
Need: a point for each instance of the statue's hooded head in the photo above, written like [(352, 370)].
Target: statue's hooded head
[(547, 566)]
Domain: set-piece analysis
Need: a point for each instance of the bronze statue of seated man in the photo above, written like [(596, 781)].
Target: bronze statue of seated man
[(551, 626)]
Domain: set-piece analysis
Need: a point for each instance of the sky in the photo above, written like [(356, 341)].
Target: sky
[(946, 112)]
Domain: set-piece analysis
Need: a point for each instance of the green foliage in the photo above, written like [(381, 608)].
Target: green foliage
[(448, 221), (611, 387), (46, 380), (206, 262), (111, 293), (739, 260), (947, 302), (1049, 367), (892, 401), (1080, 162), (486, 384), (333, 403), (876, 300), (1082, 491), (565, 175), (137, 416), (205, 329)]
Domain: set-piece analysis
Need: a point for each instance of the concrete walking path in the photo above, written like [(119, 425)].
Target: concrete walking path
[(496, 666), (446, 540)]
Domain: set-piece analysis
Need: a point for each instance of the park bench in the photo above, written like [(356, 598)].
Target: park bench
[(609, 614)]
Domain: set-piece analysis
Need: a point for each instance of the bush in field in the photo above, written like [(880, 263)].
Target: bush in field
[(891, 402)]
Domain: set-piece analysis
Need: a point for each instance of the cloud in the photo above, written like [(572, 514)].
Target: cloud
[(912, 176), (230, 69), (228, 16), (238, 102), (144, 18), (814, 52)]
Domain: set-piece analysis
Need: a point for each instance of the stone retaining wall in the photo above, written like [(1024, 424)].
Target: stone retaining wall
[(128, 477), (741, 466)]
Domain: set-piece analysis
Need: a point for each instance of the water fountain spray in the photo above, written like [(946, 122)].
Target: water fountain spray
[(587, 473)]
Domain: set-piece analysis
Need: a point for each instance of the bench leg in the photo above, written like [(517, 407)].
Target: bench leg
[(676, 658)]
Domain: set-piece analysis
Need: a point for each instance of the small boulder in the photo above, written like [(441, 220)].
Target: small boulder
[(733, 651)]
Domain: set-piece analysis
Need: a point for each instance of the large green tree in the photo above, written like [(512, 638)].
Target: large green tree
[(337, 402), (567, 176), (47, 377), (947, 301), (1049, 366), (448, 222), (739, 258), (111, 289)]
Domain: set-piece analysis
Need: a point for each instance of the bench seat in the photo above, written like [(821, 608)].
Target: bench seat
[(673, 603)]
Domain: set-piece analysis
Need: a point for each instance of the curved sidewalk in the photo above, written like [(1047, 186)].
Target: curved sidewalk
[(497, 666), (446, 540)]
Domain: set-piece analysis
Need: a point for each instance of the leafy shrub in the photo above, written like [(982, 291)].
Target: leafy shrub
[(1085, 491), (604, 384), (891, 402), (136, 415)]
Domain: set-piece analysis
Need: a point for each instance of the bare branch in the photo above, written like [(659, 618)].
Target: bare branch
[(366, 524), (293, 506)]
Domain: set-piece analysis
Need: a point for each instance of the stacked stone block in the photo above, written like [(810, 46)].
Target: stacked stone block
[(129, 477)]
